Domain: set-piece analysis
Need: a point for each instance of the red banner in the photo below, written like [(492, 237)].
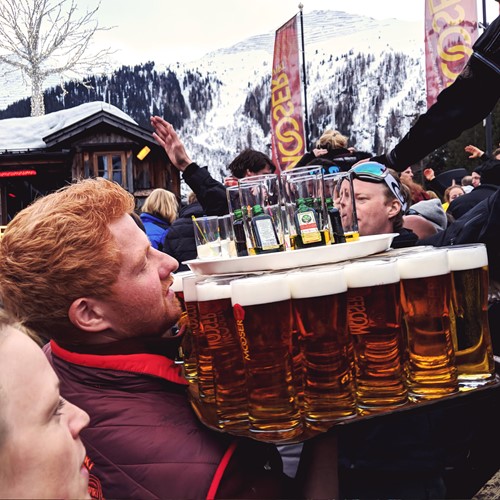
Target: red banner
[(287, 124), (450, 32)]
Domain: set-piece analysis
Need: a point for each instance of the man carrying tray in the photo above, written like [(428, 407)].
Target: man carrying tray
[(76, 268)]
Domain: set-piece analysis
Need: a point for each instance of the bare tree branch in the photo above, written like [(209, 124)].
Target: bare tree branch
[(40, 38)]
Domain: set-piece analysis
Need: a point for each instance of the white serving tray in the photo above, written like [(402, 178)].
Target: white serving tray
[(364, 246)]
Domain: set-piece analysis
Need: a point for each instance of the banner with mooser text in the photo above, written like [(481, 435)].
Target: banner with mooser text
[(287, 124), (450, 32)]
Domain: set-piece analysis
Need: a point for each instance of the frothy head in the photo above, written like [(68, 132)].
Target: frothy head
[(260, 290), (189, 287), (424, 264), (317, 283), (177, 283), (466, 257), (372, 273), (212, 290)]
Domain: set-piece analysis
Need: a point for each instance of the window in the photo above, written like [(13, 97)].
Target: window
[(112, 166)]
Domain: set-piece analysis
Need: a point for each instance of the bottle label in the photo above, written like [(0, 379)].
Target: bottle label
[(267, 234), (308, 227)]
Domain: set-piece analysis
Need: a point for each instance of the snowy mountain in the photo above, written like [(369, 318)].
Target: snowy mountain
[(365, 78)]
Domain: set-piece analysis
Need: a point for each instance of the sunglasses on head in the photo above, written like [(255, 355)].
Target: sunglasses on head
[(376, 172)]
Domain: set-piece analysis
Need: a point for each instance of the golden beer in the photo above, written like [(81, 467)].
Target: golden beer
[(192, 363), (425, 298), (373, 312), (319, 302), (262, 311), (218, 339), (469, 314)]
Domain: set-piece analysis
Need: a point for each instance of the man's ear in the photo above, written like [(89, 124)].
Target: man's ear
[(394, 207), (88, 314)]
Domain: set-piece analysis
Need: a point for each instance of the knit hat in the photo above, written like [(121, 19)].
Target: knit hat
[(433, 211)]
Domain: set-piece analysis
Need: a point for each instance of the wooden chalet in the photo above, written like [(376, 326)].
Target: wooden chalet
[(95, 140)]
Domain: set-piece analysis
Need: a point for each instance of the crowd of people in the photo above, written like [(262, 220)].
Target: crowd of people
[(102, 411)]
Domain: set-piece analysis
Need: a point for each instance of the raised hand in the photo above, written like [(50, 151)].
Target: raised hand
[(166, 136)]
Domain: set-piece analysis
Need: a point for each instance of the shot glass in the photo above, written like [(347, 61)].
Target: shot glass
[(207, 237)]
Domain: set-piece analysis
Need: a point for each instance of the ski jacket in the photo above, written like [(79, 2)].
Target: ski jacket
[(156, 229), (145, 442), (180, 242)]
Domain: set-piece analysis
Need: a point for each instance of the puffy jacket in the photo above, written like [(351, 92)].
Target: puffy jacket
[(144, 441), (156, 229), (210, 193), (461, 205), (180, 243)]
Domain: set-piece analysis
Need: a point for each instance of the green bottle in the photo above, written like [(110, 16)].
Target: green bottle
[(307, 225), (239, 233), (264, 232)]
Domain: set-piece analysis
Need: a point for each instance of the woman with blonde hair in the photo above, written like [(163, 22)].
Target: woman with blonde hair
[(158, 212), (332, 145)]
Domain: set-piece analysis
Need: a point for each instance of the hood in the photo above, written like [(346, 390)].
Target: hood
[(433, 211)]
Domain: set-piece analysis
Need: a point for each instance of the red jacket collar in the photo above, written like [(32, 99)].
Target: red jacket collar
[(143, 363)]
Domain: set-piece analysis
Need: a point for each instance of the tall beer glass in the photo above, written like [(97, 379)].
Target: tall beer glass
[(177, 286), (374, 324), (190, 342), (319, 302), (425, 298), (469, 314), (263, 314), (218, 339)]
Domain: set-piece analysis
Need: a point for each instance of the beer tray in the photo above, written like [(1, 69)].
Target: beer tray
[(364, 246)]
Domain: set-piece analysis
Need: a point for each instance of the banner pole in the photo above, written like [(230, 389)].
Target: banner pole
[(488, 128), (304, 78)]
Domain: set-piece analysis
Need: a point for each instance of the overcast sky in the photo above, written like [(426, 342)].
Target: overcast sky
[(170, 30)]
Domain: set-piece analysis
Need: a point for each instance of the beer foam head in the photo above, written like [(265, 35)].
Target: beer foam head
[(177, 284), (212, 291), (465, 257), (423, 264), (189, 287), (260, 290), (317, 283), (371, 273)]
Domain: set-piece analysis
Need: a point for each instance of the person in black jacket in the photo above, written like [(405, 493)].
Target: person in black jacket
[(332, 145), (180, 242), (460, 106)]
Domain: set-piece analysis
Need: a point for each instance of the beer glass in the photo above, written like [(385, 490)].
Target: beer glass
[(425, 299), (373, 312), (176, 286), (218, 341), (319, 302), (304, 202), (469, 314), (341, 204), (261, 201), (190, 341), (263, 315)]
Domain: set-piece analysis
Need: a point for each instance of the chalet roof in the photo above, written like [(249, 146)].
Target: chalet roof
[(40, 132)]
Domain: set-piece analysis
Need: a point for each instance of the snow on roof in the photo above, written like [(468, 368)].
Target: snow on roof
[(28, 133)]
